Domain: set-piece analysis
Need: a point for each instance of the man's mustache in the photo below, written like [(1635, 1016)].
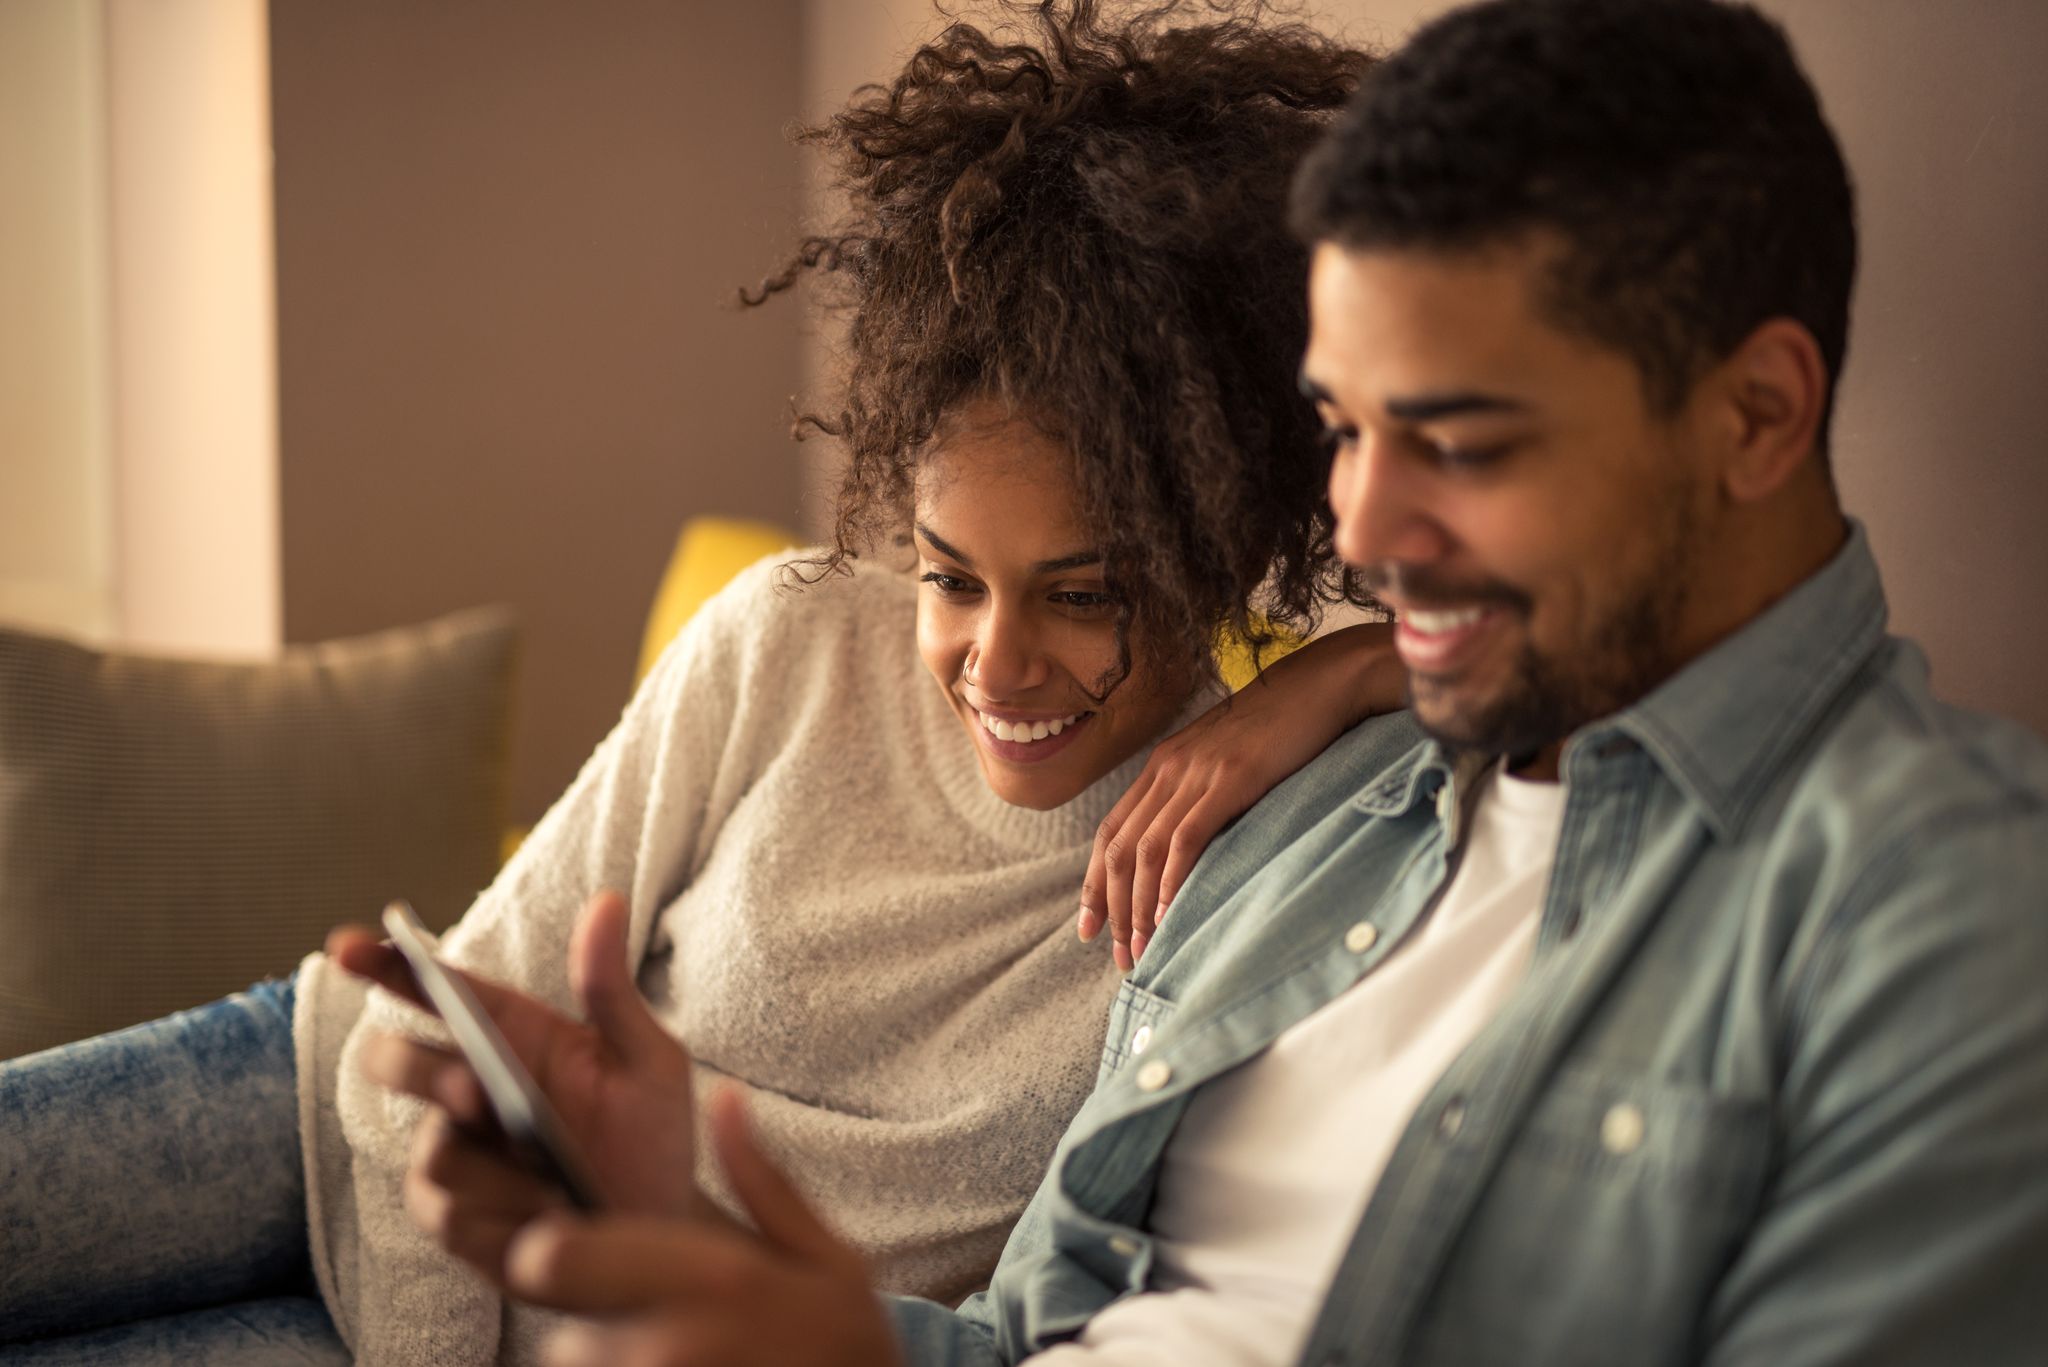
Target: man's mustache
[(1418, 586)]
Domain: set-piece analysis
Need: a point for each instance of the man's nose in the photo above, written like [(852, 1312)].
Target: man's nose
[(1383, 507)]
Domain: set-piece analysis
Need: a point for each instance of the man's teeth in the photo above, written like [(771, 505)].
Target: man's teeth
[(1024, 732), (1436, 623)]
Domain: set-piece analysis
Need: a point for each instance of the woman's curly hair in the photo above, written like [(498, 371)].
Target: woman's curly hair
[(1083, 219)]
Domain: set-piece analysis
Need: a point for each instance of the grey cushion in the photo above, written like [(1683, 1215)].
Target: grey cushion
[(173, 830)]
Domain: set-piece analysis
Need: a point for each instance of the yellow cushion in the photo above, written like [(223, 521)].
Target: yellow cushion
[(708, 554), (1234, 658)]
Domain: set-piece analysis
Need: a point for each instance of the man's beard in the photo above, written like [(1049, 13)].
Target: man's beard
[(1547, 698)]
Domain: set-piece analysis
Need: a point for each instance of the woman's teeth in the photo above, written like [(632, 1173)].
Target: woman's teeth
[(1024, 732), (1437, 623)]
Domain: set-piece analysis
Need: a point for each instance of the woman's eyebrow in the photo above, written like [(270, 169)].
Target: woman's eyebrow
[(1063, 562), (943, 547), (1068, 562)]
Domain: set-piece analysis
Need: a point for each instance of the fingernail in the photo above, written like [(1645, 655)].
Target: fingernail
[(1089, 925), (1122, 953), (1159, 916), (1138, 943)]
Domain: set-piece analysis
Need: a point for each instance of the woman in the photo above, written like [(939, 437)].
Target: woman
[(850, 811)]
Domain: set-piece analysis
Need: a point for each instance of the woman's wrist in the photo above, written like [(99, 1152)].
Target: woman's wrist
[(1356, 670)]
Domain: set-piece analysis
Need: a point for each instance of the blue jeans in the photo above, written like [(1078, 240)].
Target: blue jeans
[(152, 1198)]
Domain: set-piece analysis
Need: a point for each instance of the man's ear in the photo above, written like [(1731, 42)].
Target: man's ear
[(1773, 388)]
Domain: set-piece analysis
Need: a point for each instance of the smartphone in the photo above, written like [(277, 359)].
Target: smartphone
[(536, 1133)]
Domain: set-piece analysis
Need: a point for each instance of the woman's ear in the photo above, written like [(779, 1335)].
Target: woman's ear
[(1774, 388)]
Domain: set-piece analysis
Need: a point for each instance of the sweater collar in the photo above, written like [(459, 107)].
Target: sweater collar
[(956, 770)]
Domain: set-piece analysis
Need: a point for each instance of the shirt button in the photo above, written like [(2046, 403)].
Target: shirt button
[(1621, 1129), (1361, 937), (1142, 1040), (1452, 1118), (1123, 1245), (1153, 1076)]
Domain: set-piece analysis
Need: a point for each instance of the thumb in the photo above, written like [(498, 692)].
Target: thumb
[(622, 1264), (604, 982), (770, 1199)]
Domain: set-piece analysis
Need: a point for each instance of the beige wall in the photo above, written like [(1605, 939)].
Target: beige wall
[(56, 556), (1942, 410), (192, 326), (508, 239), (137, 435)]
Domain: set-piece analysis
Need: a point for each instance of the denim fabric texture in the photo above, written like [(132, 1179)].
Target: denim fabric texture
[(1775, 1090), (286, 1331), (152, 1199)]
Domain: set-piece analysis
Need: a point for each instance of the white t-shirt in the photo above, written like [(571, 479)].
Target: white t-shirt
[(1268, 1172)]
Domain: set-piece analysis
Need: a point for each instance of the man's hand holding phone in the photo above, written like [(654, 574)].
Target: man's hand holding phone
[(667, 1276), (620, 1085)]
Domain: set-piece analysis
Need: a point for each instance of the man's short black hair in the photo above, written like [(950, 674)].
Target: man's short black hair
[(1673, 147)]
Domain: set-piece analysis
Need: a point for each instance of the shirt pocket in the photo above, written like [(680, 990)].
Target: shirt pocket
[(1134, 1018), (1618, 1204)]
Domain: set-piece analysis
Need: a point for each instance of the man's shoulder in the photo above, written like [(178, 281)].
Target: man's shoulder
[(1294, 832), (1898, 769), (1911, 838), (1353, 763)]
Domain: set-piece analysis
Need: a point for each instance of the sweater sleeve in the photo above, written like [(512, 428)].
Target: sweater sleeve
[(637, 818)]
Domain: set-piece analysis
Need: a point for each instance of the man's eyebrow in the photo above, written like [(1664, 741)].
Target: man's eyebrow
[(1431, 407)]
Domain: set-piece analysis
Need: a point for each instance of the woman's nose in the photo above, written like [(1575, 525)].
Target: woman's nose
[(1005, 660)]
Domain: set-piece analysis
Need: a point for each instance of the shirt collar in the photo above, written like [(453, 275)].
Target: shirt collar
[(1722, 727)]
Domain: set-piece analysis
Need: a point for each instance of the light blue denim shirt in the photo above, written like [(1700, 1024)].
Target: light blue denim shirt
[(1774, 1091)]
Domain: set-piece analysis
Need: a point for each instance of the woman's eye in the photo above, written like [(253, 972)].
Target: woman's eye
[(948, 585), (1083, 601), (1336, 439)]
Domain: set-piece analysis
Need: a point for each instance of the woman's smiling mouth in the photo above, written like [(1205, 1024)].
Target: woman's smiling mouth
[(1025, 740), (1025, 732)]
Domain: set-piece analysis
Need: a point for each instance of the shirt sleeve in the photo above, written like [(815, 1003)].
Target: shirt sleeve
[(635, 819), (1908, 1220)]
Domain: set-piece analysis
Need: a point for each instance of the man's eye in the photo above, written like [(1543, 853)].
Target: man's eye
[(948, 585), (1466, 457)]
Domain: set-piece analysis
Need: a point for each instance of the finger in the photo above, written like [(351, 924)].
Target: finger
[(778, 1209), (366, 954), (620, 1264), (480, 1174), (432, 1074), (586, 1345), (1154, 848), (1095, 884), (603, 980), (1191, 839), (467, 1197), (477, 1238), (356, 949), (1122, 860)]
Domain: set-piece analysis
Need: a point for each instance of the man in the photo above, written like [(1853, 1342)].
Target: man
[(1680, 999)]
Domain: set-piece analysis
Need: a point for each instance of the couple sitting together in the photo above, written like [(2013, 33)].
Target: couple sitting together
[(1663, 985)]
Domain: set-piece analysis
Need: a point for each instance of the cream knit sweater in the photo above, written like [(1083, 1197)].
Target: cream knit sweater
[(828, 905)]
